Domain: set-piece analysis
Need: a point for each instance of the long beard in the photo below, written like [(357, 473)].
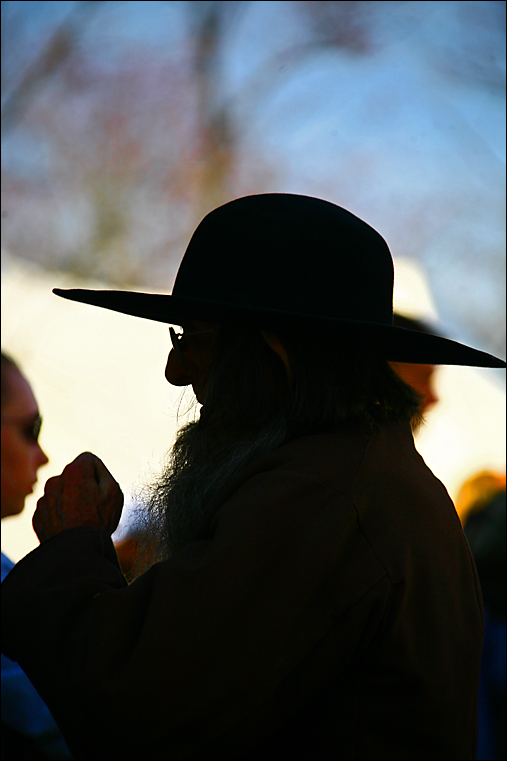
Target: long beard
[(200, 466)]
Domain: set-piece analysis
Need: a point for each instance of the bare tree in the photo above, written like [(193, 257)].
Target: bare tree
[(149, 135), (140, 149)]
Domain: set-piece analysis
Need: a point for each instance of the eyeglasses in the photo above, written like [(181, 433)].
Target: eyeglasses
[(179, 344), (30, 430)]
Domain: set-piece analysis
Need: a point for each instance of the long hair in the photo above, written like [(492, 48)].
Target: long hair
[(334, 377), (253, 406)]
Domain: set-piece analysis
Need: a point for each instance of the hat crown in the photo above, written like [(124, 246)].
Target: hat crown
[(289, 253), (281, 258)]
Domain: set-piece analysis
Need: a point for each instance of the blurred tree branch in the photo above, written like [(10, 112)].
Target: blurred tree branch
[(56, 52), (119, 146)]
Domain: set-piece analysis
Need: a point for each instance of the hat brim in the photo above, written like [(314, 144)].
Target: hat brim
[(396, 344)]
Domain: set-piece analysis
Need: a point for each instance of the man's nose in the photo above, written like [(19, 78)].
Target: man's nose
[(175, 373)]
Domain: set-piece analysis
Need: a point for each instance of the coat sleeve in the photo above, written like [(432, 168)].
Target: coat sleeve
[(164, 666)]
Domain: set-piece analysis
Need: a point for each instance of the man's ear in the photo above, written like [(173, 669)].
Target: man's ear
[(273, 342)]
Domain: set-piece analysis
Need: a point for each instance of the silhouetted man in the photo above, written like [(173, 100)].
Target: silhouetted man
[(313, 596)]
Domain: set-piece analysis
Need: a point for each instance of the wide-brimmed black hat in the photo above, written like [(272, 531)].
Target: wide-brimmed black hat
[(276, 259)]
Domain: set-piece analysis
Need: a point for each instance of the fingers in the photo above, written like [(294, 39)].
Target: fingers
[(100, 472), (38, 518), (90, 465), (108, 487), (85, 494), (84, 466), (86, 470), (52, 487)]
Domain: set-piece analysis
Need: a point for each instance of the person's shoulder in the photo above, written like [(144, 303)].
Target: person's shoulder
[(7, 565), (330, 458), (338, 448)]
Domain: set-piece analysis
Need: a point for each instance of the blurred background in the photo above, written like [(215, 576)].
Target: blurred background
[(123, 123)]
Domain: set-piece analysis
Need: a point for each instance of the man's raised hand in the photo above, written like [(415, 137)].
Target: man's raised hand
[(85, 494)]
